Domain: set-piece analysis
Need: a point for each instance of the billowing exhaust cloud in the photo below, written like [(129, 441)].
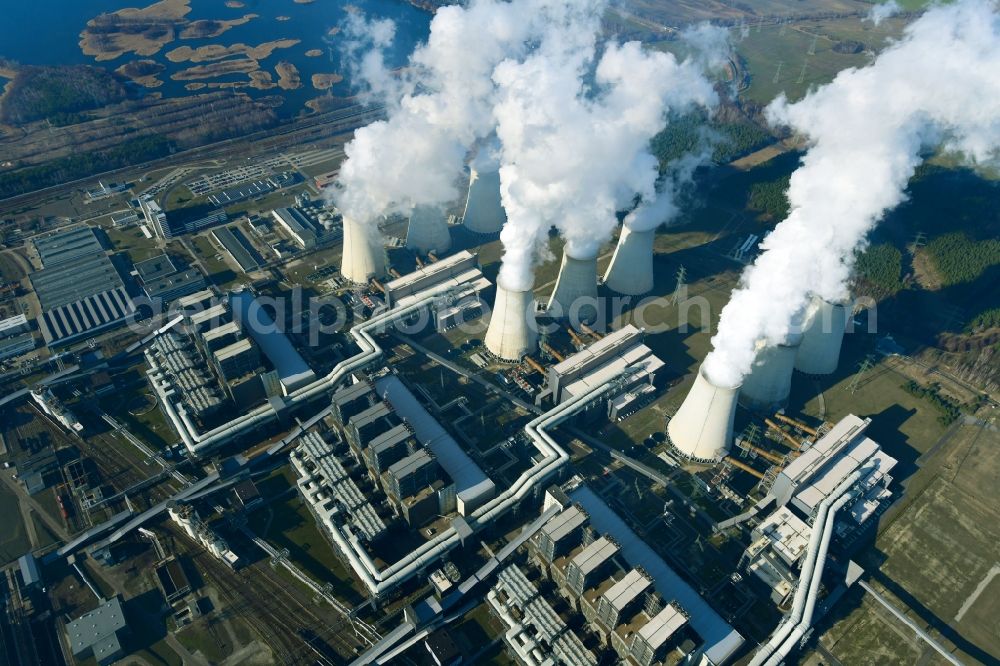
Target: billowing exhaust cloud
[(938, 86), (438, 106), (663, 207), (574, 127)]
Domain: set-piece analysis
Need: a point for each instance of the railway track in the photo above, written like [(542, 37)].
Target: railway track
[(331, 123), (292, 625)]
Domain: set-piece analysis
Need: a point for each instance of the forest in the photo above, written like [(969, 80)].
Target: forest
[(57, 93)]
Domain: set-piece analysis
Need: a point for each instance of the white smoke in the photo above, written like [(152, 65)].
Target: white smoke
[(881, 12), (939, 85), (663, 207), (438, 106), (573, 151)]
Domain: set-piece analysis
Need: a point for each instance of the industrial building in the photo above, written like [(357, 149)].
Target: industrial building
[(828, 494), (79, 290), (296, 225), (236, 360), (293, 372), (183, 221), (14, 325), (332, 496), (186, 516), (460, 270), (164, 283), (239, 248), (16, 345), (627, 606), (620, 354), (99, 633)]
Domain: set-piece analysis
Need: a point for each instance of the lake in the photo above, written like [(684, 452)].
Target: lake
[(47, 32)]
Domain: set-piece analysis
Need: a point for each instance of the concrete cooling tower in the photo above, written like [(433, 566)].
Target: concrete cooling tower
[(364, 257), (484, 213), (767, 386), (428, 230), (702, 429), (512, 332), (575, 295), (822, 337), (631, 269)]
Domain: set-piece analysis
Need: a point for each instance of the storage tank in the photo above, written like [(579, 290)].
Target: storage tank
[(363, 255), (702, 428), (822, 336), (428, 230), (767, 386), (484, 213), (631, 268), (575, 294), (512, 332)]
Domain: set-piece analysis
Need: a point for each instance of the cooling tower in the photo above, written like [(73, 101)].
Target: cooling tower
[(575, 295), (702, 429), (512, 332), (363, 257), (767, 386), (484, 213), (631, 269), (428, 230), (822, 336)]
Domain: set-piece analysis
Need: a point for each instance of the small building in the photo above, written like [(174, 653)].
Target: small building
[(99, 633), (28, 566), (295, 224), (124, 218), (16, 345), (172, 580), (13, 325), (442, 648), (247, 494)]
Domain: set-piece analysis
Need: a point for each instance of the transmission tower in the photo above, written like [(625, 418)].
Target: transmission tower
[(919, 239), (802, 73), (863, 369), (812, 47), (777, 72), (681, 288)]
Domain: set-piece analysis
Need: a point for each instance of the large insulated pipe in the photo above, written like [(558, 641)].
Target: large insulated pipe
[(512, 331), (631, 268), (484, 213), (428, 230), (702, 428), (575, 294), (784, 629), (819, 352), (363, 256), (769, 383), (810, 606)]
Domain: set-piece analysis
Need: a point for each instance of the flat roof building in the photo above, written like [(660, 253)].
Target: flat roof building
[(296, 226), (810, 478), (155, 268), (16, 345), (176, 285), (99, 633), (461, 268), (63, 245), (13, 325), (85, 317), (239, 248), (351, 400)]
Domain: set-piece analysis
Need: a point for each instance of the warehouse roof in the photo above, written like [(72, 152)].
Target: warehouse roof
[(155, 268), (12, 324), (60, 246), (612, 344), (74, 279), (98, 629), (662, 626), (85, 316)]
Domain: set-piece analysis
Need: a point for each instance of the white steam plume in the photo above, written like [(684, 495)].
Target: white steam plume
[(438, 106), (574, 153), (939, 85), (663, 208), (883, 11)]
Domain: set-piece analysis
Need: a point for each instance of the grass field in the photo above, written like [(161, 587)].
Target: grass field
[(13, 537), (132, 241), (937, 552), (805, 53)]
